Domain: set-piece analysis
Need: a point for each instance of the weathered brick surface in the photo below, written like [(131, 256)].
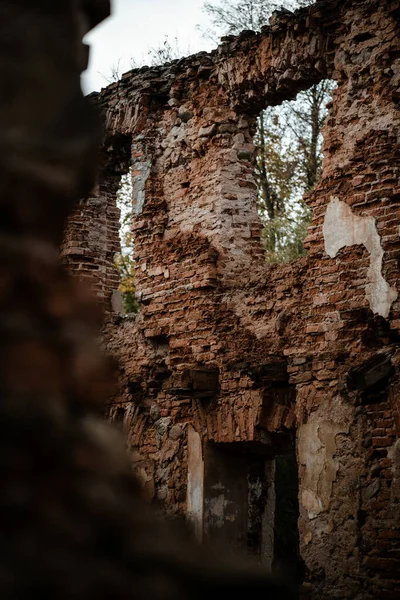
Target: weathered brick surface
[(208, 301), (92, 239)]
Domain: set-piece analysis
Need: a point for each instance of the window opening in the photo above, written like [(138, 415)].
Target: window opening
[(124, 260), (288, 145)]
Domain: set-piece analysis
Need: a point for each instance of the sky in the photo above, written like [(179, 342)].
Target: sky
[(136, 26)]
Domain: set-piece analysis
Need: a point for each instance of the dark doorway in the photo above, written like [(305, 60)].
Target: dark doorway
[(239, 500), (286, 534), (251, 504)]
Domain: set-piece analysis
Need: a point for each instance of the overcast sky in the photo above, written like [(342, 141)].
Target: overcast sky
[(136, 26)]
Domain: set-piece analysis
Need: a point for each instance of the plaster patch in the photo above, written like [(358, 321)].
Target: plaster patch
[(141, 169), (343, 228), (195, 482), (317, 458)]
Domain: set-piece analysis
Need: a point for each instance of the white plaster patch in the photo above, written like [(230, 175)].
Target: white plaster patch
[(317, 449), (311, 503), (343, 228), (141, 172), (195, 483)]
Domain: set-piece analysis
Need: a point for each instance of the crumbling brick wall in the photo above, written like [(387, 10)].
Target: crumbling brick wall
[(73, 522), (233, 351), (92, 234)]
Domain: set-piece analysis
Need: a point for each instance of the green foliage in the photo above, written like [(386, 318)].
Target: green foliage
[(283, 236), (126, 267), (278, 172), (281, 180)]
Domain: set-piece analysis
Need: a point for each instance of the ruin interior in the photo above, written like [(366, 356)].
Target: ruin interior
[(255, 395)]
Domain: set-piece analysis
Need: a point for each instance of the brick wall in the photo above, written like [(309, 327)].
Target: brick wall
[(246, 353)]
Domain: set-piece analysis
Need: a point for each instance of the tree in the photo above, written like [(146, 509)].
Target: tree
[(288, 139), (124, 260), (279, 180)]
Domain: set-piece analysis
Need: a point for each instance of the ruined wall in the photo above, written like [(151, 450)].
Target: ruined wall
[(73, 523), (242, 353), (92, 234)]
